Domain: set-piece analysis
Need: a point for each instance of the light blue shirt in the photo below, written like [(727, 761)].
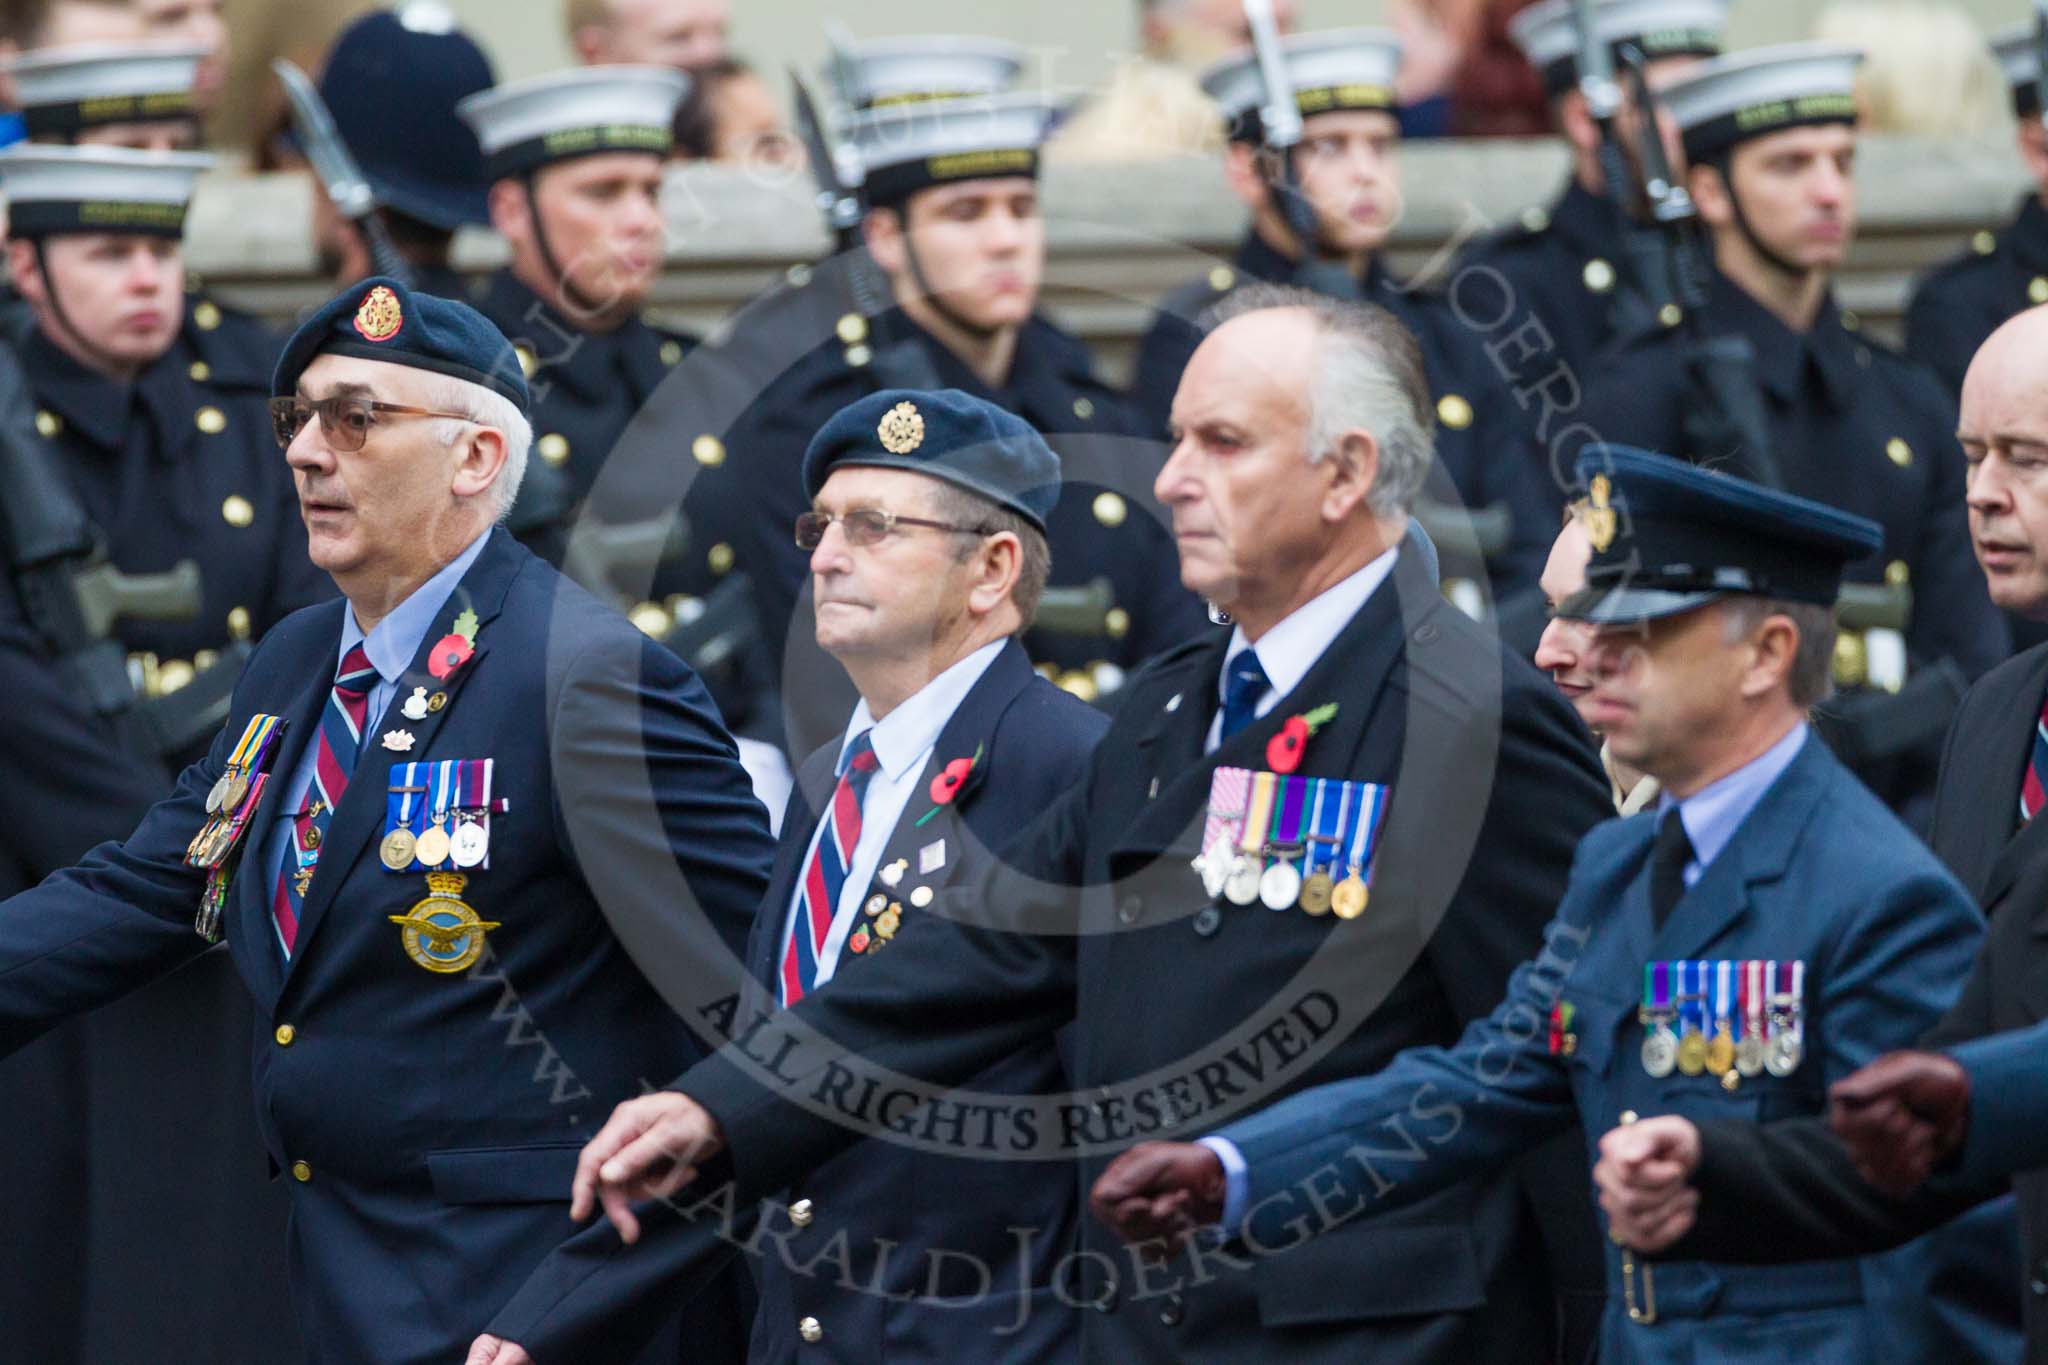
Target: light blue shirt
[(903, 742), (1711, 816), (391, 645), (1290, 649)]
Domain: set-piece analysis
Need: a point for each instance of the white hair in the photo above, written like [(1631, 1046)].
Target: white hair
[(489, 408), (1370, 379)]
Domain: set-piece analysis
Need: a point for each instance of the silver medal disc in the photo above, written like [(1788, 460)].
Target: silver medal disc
[(1280, 886), (470, 845), (1784, 1055), (1660, 1053), (1241, 886), (1749, 1055)]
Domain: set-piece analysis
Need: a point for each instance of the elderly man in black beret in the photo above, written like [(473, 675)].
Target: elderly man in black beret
[(454, 831), (928, 554)]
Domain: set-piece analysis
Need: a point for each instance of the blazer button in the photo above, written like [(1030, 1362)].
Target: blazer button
[(1128, 909), (1173, 1311), (301, 1172), (286, 1035), (800, 1213), (811, 1330), (1208, 920)]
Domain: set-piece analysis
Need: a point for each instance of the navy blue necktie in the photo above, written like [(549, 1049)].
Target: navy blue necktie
[(1244, 682)]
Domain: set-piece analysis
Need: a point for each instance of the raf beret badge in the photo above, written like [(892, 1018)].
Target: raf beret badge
[(380, 315), (901, 429)]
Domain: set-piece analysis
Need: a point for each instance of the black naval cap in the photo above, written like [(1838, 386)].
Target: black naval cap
[(948, 435), (1669, 537), (381, 319)]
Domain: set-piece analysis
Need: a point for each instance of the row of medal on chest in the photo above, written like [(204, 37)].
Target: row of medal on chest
[(1261, 824), (1728, 1018)]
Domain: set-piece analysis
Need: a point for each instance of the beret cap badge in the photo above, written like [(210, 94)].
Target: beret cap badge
[(1600, 518), (901, 429), (380, 315)]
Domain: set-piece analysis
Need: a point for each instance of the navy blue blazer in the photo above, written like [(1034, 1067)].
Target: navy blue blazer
[(1819, 871), (430, 1123), (894, 1207)]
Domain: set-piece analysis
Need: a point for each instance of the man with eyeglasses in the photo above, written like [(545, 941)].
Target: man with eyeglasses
[(928, 555), (461, 833)]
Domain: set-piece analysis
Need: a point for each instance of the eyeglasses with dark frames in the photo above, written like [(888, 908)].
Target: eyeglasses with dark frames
[(866, 526), (345, 419)]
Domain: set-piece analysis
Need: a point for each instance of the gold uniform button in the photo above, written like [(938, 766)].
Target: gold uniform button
[(1670, 315), (1897, 573), (651, 618), (708, 451), (671, 352), (301, 1172), (553, 448), (801, 1213), (48, 423), (238, 623), (811, 1330), (1454, 412), (205, 315), (173, 675), (237, 510), (1078, 683), (2037, 289), (1110, 509), (286, 1035), (1084, 408), (528, 361), (1984, 242), (1598, 275), (1222, 278), (857, 356), (200, 371), (720, 558), (1535, 218), (1898, 452), (1117, 623), (852, 327), (1850, 320), (1628, 1116), (210, 420), (1852, 660)]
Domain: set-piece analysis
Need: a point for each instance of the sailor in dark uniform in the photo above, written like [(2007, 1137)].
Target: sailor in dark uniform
[(1343, 82), (1566, 264)]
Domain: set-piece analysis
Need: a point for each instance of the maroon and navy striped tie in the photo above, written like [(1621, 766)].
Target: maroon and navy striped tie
[(825, 873), (341, 734), (2034, 787)]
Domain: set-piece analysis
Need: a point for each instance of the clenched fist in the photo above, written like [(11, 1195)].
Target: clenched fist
[(1644, 1176)]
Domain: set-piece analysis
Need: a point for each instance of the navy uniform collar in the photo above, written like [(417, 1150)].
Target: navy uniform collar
[(96, 406), (1788, 362), (1045, 371), (1586, 222), (2027, 236), (588, 364), (1257, 257)]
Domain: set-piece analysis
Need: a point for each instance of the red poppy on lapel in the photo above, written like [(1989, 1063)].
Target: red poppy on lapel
[(1284, 750)]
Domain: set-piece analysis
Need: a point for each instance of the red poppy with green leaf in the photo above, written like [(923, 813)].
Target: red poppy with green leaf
[(1284, 750), (951, 781)]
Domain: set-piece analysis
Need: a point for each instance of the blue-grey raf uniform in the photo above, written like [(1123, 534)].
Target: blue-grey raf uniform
[(1819, 935)]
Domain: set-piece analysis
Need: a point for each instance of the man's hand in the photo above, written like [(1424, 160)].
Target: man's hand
[(649, 1148), (1160, 1192), (1643, 1174), (1901, 1116), (490, 1350)]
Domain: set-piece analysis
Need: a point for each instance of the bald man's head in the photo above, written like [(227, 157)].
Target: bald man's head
[(2004, 432)]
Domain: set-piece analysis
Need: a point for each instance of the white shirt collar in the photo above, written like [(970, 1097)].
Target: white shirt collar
[(1290, 649), (906, 734)]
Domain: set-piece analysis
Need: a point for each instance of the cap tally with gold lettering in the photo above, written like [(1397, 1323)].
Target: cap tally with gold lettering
[(1548, 33), (915, 145), (886, 71), (380, 319), (1765, 90), (524, 125), (967, 441), (1669, 536), (63, 90), (1337, 69), (56, 190)]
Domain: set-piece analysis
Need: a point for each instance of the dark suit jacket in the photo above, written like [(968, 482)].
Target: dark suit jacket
[(431, 1122), (1190, 1011), (1795, 1175), (920, 1230)]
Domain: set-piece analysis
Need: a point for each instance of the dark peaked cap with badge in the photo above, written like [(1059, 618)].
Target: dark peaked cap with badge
[(380, 319), (1548, 33), (948, 435), (1336, 69), (54, 190), (87, 85), (1669, 536), (1744, 95)]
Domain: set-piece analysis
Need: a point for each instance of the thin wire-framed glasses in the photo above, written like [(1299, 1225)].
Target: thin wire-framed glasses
[(868, 526)]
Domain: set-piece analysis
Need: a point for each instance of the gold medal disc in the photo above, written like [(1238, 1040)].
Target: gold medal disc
[(432, 849), (1692, 1053), (1315, 893), (396, 852), (1348, 900), (1721, 1053)]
